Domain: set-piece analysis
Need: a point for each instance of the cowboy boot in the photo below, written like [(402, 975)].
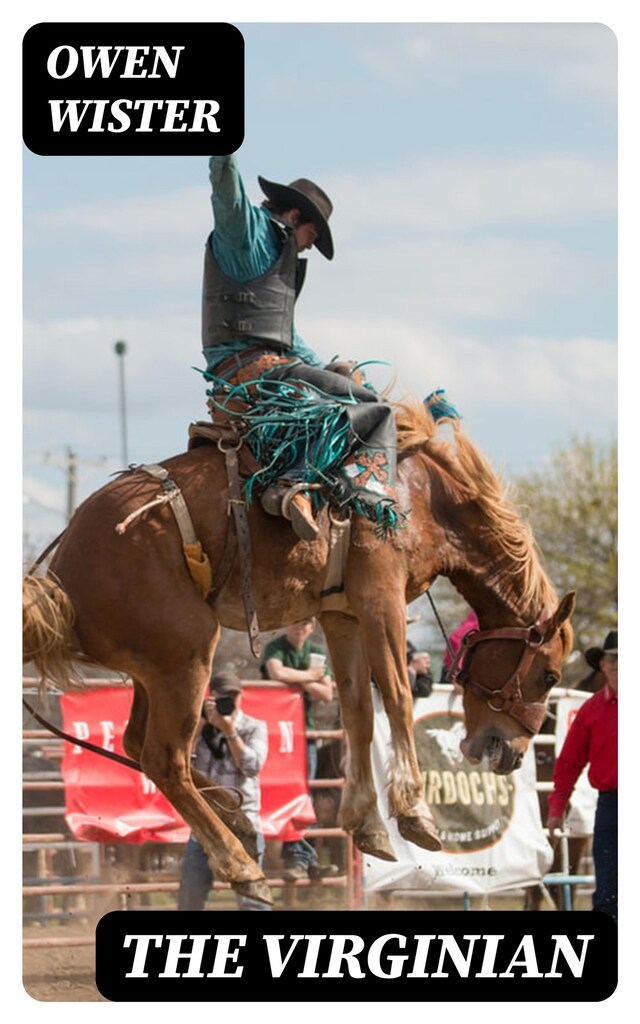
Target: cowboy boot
[(294, 505)]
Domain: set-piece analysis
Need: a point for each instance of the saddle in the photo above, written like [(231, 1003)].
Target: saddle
[(226, 434)]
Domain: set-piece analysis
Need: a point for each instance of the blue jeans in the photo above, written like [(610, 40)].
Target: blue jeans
[(605, 854), (301, 851), (196, 879)]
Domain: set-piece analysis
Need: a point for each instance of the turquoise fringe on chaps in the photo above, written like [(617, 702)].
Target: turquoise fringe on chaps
[(307, 423)]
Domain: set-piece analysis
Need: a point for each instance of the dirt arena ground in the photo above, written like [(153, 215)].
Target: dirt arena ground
[(62, 974), (66, 972)]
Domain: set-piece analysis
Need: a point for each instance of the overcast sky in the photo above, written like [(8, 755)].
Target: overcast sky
[(473, 173)]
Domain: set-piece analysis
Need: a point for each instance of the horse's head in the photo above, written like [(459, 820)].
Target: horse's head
[(506, 674)]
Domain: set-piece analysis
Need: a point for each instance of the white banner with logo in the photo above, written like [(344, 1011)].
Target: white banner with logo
[(489, 824), (582, 812)]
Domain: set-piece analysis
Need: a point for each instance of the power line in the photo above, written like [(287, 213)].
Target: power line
[(69, 465)]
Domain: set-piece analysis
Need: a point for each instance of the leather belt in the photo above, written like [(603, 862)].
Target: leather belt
[(238, 506), (235, 362)]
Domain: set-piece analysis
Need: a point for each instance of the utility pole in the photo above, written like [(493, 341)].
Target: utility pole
[(120, 349), (70, 464), (72, 480)]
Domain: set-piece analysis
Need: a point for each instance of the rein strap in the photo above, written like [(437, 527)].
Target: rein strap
[(119, 758), (509, 698)]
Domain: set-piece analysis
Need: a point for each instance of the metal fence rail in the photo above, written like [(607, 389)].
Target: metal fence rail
[(48, 887), (45, 845)]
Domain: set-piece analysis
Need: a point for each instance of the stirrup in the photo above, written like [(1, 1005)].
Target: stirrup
[(299, 511)]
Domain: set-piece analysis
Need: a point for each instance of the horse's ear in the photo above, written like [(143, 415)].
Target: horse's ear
[(563, 612)]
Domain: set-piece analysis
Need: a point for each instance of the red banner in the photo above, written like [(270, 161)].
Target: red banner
[(108, 802)]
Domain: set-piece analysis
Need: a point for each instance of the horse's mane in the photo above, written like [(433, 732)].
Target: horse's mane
[(469, 476)]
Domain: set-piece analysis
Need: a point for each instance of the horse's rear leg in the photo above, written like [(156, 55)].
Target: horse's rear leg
[(136, 730), (359, 812), (174, 704), (223, 803)]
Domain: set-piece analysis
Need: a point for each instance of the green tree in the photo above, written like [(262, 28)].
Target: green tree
[(573, 510)]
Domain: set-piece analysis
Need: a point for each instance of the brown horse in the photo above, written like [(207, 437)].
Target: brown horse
[(127, 602)]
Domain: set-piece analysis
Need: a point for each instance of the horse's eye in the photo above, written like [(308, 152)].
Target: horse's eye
[(551, 679)]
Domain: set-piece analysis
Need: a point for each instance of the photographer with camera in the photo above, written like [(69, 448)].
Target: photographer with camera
[(230, 748)]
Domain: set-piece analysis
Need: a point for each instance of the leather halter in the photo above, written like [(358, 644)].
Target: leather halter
[(530, 714)]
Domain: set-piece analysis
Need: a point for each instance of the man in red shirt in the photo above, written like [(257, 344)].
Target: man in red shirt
[(593, 740)]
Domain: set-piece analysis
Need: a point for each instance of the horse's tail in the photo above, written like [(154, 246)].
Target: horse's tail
[(48, 638)]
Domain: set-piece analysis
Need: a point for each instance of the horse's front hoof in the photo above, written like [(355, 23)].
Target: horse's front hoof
[(255, 890), (376, 844), (420, 831)]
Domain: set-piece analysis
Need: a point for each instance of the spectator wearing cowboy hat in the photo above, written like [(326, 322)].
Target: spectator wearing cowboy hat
[(252, 279), (593, 740), (595, 678), (230, 748)]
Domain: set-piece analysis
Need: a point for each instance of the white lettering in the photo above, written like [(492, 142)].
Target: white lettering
[(120, 116), (450, 946), (81, 729), (148, 787), (171, 67), (133, 61), (141, 947), (194, 958), (201, 114), (108, 733), (101, 60), (339, 953), (286, 737), (52, 62), (529, 962), (58, 116), (490, 953), (396, 961), (147, 109), (420, 959), (563, 944), (174, 114), (311, 959), (223, 954), (101, 106), (276, 962), (179, 116)]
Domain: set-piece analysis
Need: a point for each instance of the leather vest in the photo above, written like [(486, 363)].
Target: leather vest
[(259, 309)]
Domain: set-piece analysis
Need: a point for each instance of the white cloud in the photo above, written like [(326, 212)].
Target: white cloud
[(447, 194), (77, 403), (441, 239), (71, 366), (550, 379), (573, 60), (466, 192), (438, 279), (43, 496), (142, 220)]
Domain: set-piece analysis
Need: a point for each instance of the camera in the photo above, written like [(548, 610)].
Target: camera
[(225, 705)]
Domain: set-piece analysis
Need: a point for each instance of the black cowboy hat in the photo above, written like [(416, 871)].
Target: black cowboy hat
[(313, 203), (594, 654)]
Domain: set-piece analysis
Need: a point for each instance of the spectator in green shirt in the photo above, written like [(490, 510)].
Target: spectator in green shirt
[(289, 659)]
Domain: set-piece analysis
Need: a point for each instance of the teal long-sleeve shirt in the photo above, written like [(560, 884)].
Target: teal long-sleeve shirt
[(244, 245)]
